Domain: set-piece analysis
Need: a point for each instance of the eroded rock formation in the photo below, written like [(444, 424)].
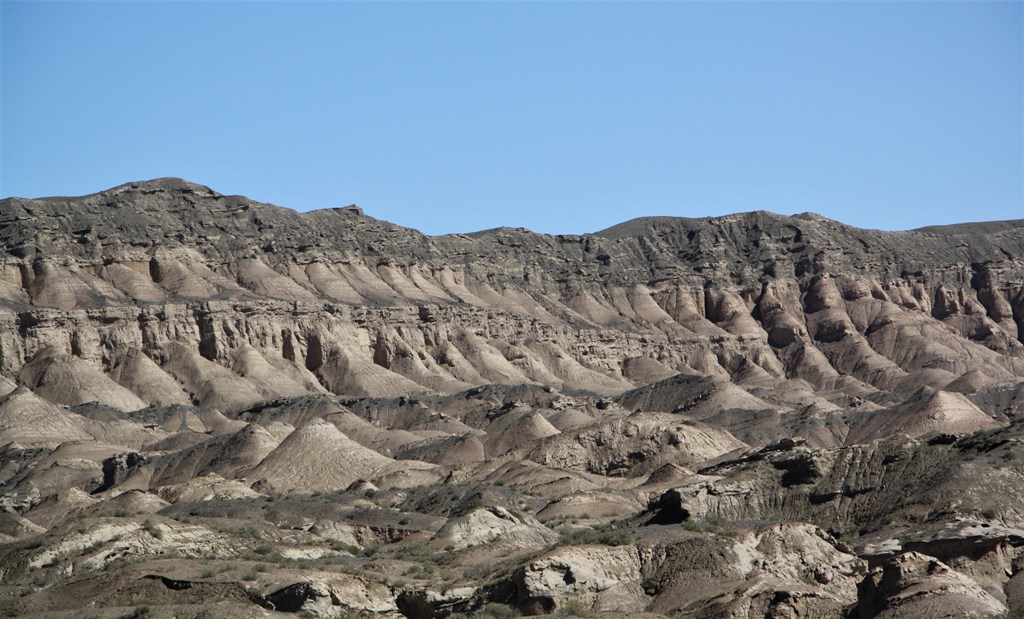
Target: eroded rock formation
[(752, 415)]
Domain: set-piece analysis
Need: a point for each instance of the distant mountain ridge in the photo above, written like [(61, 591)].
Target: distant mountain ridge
[(769, 285), (137, 218)]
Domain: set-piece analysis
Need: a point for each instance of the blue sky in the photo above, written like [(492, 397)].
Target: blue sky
[(561, 117)]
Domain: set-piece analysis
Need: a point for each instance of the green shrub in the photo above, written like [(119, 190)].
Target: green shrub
[(153, 529), (601, 537), (573, 608), (490, 611), (141, 612), (715, 521)]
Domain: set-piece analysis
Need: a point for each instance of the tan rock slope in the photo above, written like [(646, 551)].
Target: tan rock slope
[(218, 407)]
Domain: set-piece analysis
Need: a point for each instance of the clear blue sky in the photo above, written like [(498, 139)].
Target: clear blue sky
[(560, 117)]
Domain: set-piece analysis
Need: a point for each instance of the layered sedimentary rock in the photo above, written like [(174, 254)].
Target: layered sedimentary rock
[(751, 415)]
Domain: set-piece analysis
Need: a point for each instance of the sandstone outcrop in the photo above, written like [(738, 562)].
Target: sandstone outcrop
[(210, 401)]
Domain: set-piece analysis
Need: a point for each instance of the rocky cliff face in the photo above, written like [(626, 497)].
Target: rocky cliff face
[(756, 298), (165, 349)]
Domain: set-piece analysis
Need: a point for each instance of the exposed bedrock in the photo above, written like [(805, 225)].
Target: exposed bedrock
[(228, 407)]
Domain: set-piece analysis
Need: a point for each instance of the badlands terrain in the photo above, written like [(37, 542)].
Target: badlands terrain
[(214, 407)]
